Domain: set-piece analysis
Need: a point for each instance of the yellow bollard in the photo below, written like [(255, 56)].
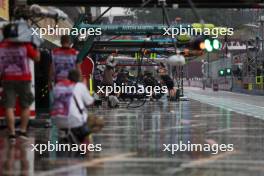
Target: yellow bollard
[(91, 85), (250, 86)]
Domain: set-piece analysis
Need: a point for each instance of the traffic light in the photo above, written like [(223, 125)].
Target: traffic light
[(221, 72), (202, 42), (228, 72), (225, 72), (212, 44)]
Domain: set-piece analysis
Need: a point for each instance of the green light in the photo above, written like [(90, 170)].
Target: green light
[(221, 72), (228, 71), (216, 44), (208, 45), (210, 49)]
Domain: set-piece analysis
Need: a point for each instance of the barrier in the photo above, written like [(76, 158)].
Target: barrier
[(223, 84)]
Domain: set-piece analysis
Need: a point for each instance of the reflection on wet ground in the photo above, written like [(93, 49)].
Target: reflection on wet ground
[(132, 143), (16, 159)]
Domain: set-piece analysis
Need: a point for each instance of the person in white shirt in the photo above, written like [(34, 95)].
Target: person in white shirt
[(71, 98)]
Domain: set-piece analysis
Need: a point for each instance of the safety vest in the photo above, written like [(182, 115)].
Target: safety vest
[(62, 93), (64, 60), (14, 63)]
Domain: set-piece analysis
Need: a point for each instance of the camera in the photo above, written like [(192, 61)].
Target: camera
[(19, 31)]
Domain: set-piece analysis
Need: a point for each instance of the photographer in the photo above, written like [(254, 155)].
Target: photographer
[(69, 108), (16, 78)]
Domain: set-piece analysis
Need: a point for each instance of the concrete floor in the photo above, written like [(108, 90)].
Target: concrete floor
[(132, 141)]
